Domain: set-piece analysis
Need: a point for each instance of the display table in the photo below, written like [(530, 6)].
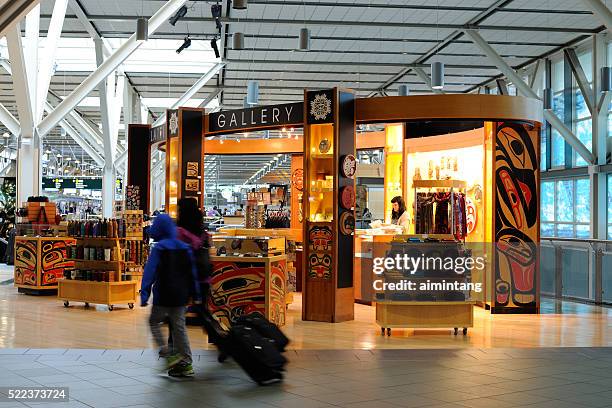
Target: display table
[(103, 293), (40, 262), (244, 284)]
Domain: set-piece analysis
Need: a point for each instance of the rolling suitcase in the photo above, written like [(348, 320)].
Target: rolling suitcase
[(264, 327), (257, 355)]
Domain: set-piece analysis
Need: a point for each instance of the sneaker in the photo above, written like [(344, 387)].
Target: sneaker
[(181, 370), (173, 360)]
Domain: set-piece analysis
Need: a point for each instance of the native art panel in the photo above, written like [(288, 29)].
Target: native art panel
[(53, 262), (26, 262), (516, 216), (276, 292), (237, 288)]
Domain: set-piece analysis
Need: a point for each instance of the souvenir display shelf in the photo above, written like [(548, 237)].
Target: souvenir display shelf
[(81, 286), (420, 314)]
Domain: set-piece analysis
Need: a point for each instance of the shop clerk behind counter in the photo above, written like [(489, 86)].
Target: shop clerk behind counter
[(399, 215)]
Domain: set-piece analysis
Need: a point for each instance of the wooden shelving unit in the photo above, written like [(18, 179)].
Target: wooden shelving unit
[(118, 291)]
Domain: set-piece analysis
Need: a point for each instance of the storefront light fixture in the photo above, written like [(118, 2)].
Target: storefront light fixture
[(238, 41), (239, 4), (437, 75), (304, 40), (142, 29), (606, 79)]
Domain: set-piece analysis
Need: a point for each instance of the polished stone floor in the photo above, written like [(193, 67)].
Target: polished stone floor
[(499, 378)]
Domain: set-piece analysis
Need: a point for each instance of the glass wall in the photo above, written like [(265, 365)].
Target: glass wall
[(565, 208), (609, 206), (558, 143), (582, 116)]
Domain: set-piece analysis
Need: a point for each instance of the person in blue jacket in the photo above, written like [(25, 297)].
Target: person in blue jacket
[(171, 272)]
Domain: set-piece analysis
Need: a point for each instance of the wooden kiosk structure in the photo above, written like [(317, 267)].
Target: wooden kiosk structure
[(511, 160)]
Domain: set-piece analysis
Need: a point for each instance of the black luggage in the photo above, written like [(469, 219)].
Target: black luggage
[(257, 355), (263, 326)]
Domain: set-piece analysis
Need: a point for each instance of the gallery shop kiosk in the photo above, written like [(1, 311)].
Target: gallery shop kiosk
[(510, 159)]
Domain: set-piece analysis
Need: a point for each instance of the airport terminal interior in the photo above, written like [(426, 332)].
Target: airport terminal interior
[(333, 203)]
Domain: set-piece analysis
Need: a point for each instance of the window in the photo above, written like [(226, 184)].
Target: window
[(566, 208), (557, 149), (582, 116)]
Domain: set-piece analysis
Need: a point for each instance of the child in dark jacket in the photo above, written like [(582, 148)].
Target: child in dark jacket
[(171, 273)]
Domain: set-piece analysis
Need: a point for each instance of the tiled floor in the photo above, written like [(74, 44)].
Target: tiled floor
[(500, 378)]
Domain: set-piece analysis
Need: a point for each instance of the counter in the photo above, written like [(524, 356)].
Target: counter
[(245, 284), (40, 262)]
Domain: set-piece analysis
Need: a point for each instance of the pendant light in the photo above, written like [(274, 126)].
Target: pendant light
[(403, 90), (304, 40), (142, 29), (239, 4), (606, 79), (142, 26), (437, 75), (252, 97), (238, 41), (547, 97)]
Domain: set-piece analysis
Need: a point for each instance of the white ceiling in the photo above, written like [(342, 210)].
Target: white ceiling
[(361, 44)]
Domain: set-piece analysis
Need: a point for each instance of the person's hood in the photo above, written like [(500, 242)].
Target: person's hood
[(163, 228)]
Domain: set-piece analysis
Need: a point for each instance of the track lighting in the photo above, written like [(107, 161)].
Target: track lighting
[(178, 15), (186, 44), (238, 41), (213, 45)]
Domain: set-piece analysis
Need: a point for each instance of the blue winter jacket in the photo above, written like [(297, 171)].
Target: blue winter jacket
[(163, 232)]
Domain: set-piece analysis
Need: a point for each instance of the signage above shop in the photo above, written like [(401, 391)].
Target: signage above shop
[(250, 119), (158, 134)]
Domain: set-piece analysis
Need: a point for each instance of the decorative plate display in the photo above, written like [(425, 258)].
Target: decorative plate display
[(173, 123), (324, 146), (347, 223), (297, 178), (347, 197), (320, 106), (349, 166)]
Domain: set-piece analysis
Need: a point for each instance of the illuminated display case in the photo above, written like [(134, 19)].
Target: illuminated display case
[(329, 205), (394, 156)]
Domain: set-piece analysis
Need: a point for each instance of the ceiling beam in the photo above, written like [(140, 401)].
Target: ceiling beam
[(109, 65), (581, 79), (9, 121), (12, 11), (516, 79), (600, 11), (21, 84)]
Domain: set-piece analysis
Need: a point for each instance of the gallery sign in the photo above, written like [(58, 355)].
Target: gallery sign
[(257, 117)]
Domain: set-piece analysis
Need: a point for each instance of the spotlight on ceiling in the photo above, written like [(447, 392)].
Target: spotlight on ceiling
[(142, 29), (213, 45), (239, 4), (437, 75), (215, 10), (403, 90), (6, 135), (186, 44), (178, 15)]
